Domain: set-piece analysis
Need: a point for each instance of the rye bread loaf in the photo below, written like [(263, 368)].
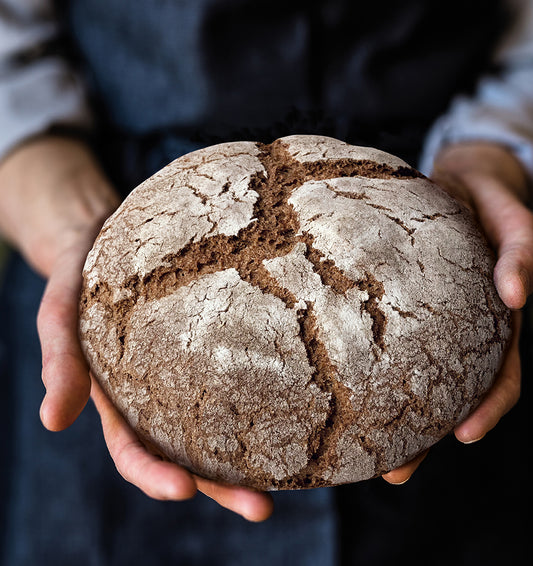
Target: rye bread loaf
[(300, 314)]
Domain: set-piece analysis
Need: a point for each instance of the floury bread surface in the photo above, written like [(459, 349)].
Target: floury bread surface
[(300, 314)]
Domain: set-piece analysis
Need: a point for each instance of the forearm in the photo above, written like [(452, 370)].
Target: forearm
[(52, 193)]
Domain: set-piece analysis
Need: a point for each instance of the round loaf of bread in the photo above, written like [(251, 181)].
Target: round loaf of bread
[(300, 314)]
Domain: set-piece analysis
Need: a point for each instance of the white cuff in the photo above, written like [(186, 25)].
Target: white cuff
[(501, 112), (32, 101)]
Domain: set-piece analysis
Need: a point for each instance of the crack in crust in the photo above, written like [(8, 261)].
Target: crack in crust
[(274, 233)]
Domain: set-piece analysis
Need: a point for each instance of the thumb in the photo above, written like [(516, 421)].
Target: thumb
[(65, 373), (508, 224)]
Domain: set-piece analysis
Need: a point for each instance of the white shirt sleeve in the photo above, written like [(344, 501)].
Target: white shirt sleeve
[(501, 109), (37, 89)]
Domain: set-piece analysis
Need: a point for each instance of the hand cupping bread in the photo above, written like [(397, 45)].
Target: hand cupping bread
[(300, 314)]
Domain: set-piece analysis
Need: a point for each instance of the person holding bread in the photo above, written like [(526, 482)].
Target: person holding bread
[(96, 96)]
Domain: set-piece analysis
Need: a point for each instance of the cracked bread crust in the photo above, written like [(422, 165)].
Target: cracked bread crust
[(300, 314)]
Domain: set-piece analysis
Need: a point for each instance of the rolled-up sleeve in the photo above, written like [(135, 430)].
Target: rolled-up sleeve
[(501, 108), (38, 87)]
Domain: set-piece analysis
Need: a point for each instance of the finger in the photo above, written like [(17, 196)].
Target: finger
[(400, 475), (502, 396), (252, 505), (509, 226), (65, 372), (513, 274), (155, 477)]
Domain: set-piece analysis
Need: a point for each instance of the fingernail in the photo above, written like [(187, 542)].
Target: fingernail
[(397, 482), (472, 441), (401, 482)]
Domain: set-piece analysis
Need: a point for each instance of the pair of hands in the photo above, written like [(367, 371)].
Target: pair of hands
[(54, 198)]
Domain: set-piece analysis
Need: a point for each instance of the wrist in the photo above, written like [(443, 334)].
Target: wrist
[(473, 165)]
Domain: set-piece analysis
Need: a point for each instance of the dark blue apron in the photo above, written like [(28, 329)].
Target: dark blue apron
[(167, 77)]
